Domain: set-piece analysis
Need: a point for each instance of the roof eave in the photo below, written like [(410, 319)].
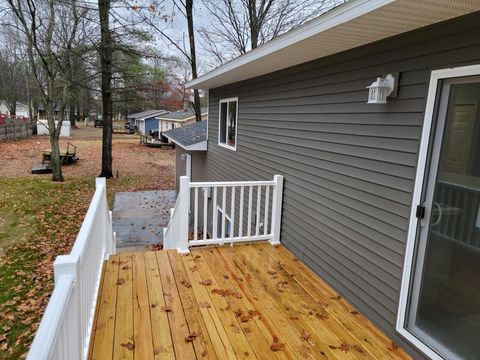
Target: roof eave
[(336, 16)]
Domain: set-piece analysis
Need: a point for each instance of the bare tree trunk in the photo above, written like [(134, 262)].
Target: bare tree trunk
[(106, 65), (193, 57), (71, 114)]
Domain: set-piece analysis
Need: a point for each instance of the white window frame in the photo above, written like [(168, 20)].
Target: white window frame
[(225, 145), (408, 266)]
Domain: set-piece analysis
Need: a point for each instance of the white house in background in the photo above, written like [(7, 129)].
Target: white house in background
[(22, 109), (178, 119)]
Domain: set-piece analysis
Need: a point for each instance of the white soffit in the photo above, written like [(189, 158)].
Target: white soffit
[(353, 24)]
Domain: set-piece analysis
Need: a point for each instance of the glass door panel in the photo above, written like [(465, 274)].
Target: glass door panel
[(444, 307)]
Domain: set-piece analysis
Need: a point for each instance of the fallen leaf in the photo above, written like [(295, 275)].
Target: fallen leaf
[(245, 317), (186, 284), (305, 336), (192, 336), (206, 282), (276, 345), (129, 346), (254, 312), (227, 292), (321, 316), (393, 346)]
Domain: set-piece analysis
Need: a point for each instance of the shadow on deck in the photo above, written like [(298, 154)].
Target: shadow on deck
[(246, 301)]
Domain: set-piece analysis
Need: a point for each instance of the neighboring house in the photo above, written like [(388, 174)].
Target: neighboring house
[(178, 119), (22, 109), (382, 200), (188, 138), (42, 115), (145, 121)]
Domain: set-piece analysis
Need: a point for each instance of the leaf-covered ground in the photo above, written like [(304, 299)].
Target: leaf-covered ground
[(39, 220)]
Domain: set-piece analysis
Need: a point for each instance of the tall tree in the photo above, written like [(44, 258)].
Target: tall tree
[(106, 55), (238, 26), (154, 17), (46, 43), (193, 56)]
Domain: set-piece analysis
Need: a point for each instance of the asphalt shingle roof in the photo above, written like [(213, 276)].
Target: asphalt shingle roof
[(181, 114), (147, 114), (188, 134)]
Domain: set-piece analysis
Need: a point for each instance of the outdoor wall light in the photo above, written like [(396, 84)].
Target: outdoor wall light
[(381, 89)]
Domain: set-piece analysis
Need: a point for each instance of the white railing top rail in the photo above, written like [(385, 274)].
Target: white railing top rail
[(86, 229), (231, 183)]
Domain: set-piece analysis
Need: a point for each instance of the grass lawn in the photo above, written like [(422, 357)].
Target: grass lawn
[(39, 219)]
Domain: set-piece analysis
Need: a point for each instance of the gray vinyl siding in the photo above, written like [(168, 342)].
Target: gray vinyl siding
[(349, 167)]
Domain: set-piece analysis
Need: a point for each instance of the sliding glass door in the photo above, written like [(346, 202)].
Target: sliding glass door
[(444, 298)]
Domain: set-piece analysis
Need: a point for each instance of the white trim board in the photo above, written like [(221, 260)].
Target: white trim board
[(200, 146), (408, 267)]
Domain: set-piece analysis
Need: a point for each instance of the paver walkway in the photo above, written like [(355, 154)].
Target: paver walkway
[(139, 217)]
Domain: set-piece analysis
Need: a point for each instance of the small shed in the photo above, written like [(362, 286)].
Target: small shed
[(145, 121)]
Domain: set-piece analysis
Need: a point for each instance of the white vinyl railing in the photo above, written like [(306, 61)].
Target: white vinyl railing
[(65, 329), (225, 212)]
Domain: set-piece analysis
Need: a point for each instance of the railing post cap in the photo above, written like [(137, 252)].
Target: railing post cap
[(100, 181)]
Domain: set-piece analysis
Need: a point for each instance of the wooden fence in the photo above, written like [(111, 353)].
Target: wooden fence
[(15, 129)]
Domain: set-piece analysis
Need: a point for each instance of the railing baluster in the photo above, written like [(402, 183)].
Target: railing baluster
[(257, 220), (205, 214), (232, 214), (267, 208), (249, 225), (215, 213), (240, 220), (195, 216), (224, 199)]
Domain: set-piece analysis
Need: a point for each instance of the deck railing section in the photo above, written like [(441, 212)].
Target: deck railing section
[(225, 212), (65, 329)]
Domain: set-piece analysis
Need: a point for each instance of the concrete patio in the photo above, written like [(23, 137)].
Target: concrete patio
[(139, 217)]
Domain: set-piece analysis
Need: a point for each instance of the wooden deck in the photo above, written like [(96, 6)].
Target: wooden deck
[(246, 301)]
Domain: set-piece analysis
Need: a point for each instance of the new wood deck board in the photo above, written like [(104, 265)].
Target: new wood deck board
[(240, 302)]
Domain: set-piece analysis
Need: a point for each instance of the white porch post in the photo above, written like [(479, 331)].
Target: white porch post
[(277, 209), (106, 218), (183, 209), (66, 266)]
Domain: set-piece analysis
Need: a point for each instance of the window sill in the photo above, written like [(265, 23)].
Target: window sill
[(232, 148)]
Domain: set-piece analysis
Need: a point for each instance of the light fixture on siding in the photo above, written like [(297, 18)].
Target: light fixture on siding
[(381, 89)]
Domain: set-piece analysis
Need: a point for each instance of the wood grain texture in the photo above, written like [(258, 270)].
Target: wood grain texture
[(244, 302)]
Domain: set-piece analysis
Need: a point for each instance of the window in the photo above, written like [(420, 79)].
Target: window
[(227, 127)]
